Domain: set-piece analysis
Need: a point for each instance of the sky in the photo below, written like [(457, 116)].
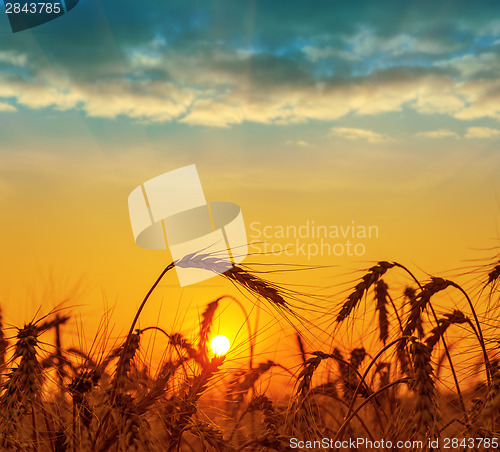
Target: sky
[(339, 113)]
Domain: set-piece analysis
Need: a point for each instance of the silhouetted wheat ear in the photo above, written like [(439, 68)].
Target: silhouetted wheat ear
[(382, 298), (205, 325), (302, 350), (253, 375), (494, 275), (383, 369), (306, 374), (243, 382), (129, 349), (56, 321), (272, 422), (411, 294), (455, 318), (79, 389), (3, 346), (132, 424), (422, 302), (256, 285), (236, 274), (492, 403), (24, 381), (186, 404), (345, 374), (425, 408), (348, 374), (373, 275), (177, 340), (358, 355), (210, 435), (403, 359), (22, 389), (131, 432)]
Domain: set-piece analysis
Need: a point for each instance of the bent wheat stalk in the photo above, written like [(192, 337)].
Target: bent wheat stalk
[(122, 359), (365, 374), (354, 413), (487, 364), (426, 292), (235, 274), (424, 388), (368, 280)]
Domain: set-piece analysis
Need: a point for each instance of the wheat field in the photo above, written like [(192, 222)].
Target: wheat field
[(427, 379)]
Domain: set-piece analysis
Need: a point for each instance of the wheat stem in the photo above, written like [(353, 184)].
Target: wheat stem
[(361, 405), (365, 374), (479, 331)]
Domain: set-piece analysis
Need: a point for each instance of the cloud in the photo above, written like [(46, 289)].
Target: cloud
[(359, 134), (439, 133), (481, 132), (300, 143), (212, 84), (6, 107), (207, 112), (225, 91), (13, 58), (491, 28), (153, 100), (367, 43), (468, 66), (315, 53), (482, 99), (246, 99)]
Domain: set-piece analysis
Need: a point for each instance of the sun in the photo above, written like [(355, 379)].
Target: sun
[(220, 345)]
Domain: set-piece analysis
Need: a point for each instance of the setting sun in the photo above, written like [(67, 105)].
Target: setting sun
[(220, 345)]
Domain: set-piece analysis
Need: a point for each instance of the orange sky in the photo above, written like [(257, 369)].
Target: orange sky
[(68, 224)]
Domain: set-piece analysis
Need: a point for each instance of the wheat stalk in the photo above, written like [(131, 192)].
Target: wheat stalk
[(243, 382), (370, 278), (351, 414), (425, 407), (185, 408), (251, 282), (272, 422), (422, 301), (205, 325), (455, 318), (381, 297), (127, 355), (411, 294), (494, 275), (238, 275), (492, 403), (212, 436), (23, 385), (177, 340), (349, 374), (4, 343)]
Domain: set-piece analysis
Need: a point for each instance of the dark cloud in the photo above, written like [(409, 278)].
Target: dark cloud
[(98, 29)]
